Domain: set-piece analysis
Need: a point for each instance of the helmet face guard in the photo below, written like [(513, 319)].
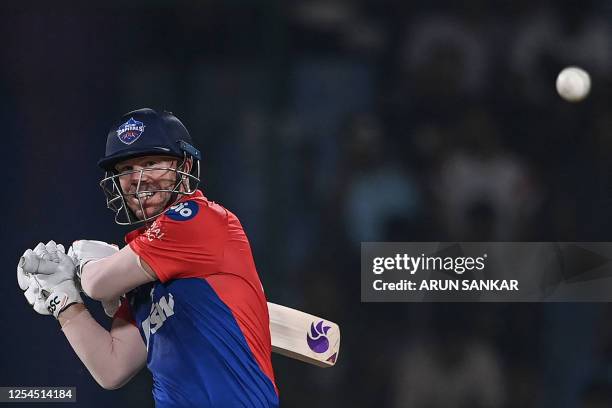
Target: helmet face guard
[(116, 199)]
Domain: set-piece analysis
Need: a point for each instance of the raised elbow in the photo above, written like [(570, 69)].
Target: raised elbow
[(112, 383)]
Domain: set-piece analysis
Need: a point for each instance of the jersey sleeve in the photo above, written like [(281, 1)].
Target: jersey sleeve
[(184, 244)]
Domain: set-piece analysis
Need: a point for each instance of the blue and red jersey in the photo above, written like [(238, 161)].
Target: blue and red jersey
[(205, 321)]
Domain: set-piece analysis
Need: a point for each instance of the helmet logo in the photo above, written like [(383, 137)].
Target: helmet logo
[(130, 131)]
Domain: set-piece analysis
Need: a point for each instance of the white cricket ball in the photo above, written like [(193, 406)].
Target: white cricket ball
[(573, 84)]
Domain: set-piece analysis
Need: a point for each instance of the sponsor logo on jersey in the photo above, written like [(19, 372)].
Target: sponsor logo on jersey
[(154, 231), (130, 131), (160, 312), (183, 211), (317, 337)]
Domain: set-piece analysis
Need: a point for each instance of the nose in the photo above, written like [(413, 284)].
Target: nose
[(137, 175), (140, 175)]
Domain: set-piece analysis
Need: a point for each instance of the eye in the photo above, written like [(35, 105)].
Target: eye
[(151, 163), (124, 169)]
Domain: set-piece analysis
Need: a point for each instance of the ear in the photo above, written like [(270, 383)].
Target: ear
[(187, 169), (188, 165)]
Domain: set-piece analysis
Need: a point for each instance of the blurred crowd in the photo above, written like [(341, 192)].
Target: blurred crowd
[(327, 123)]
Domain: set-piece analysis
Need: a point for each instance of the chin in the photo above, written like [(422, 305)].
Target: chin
[(150, 211)]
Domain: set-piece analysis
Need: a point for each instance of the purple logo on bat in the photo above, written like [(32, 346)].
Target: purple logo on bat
[(130, 131), (317, 337)]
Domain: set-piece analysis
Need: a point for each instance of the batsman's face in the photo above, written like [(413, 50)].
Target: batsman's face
[(141, 179)]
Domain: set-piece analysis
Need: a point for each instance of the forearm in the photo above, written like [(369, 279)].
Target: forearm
[(70, 313), (112, 358), (111, 277)]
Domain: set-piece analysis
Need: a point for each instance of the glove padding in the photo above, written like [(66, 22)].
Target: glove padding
[(27, 282), (86, 250), (47, 275)]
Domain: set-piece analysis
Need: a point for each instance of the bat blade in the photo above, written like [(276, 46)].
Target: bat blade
[(304, 337)]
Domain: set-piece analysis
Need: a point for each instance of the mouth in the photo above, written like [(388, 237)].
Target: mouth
[(142, 198), (145, 194)]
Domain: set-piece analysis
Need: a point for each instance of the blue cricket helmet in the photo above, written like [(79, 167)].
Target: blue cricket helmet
[(146, 132)]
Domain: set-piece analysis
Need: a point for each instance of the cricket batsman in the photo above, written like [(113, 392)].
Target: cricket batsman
[(184, 294)]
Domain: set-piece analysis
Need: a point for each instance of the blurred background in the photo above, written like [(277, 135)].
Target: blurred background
[(325, 123)]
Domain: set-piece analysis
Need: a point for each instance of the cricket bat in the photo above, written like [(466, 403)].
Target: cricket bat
[(303, 336)]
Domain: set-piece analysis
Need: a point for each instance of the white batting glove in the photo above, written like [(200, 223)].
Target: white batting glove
[(51, 275), (84, 251), (62, 295), (30, 286), (40, 258)]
